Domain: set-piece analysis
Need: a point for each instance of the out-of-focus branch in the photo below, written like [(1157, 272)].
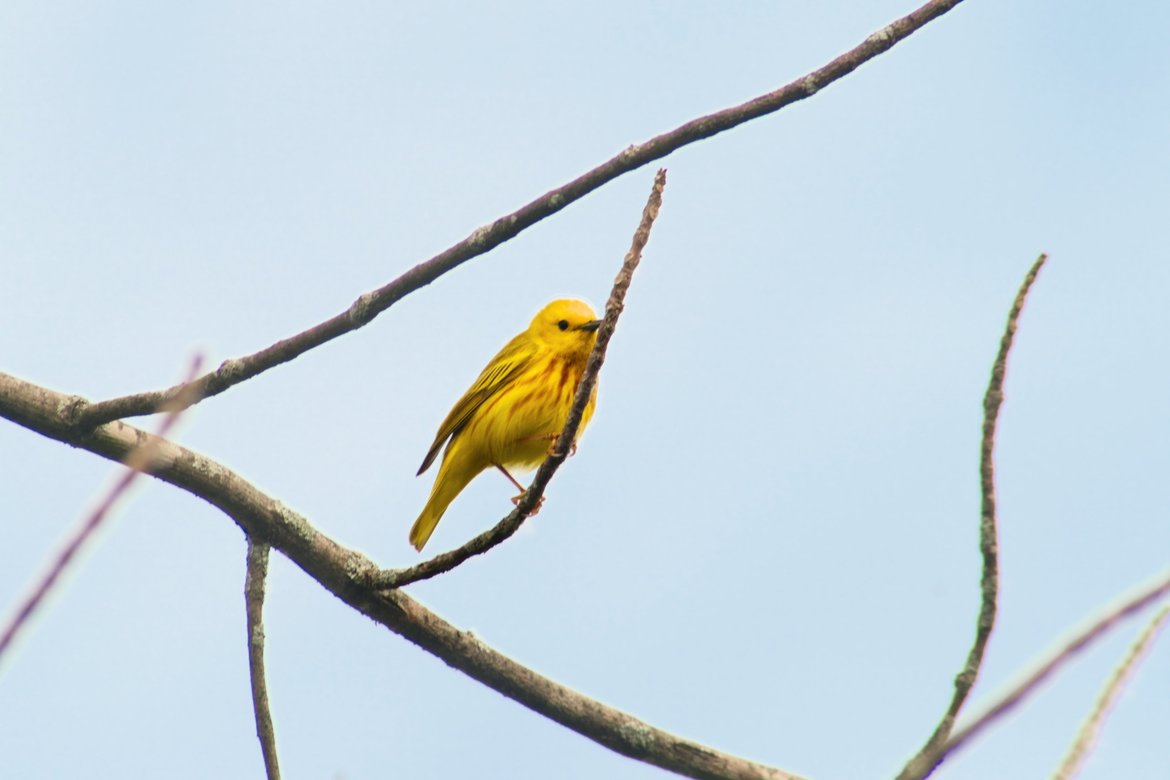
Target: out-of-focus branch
[(1019, 693), (1087, 736), (254, 586), (395, 578), (922, 765), (486, 238), (346, 574), (137, 460)]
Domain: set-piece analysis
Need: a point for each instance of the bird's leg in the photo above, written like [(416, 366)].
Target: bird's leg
[(511, 479), (522, 489)]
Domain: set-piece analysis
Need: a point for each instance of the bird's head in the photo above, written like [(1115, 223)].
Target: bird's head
[(567, 325)]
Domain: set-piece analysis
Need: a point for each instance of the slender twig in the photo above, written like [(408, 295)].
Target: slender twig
[(346, 574), (254, 586), (1020, 692), (396, 578), (1087, 735), (138, 460), (486, 238), (920, 765)]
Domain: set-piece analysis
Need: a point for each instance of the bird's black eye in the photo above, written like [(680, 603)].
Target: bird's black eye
[(563, 324)]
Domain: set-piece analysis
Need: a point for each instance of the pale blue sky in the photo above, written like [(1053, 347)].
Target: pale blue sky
[(768, 539)]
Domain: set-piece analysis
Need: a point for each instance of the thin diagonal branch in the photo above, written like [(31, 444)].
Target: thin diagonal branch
[(1009, 701), (345, 573), (486, 238), (396, 578), (921, 766), (138, 460), (1087, 735), (254, 587)]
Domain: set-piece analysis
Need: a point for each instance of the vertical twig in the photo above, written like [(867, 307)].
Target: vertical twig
[(1087, 736), (254, 587), (922, 764), (137, 461)]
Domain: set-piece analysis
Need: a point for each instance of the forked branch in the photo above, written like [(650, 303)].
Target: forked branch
[(346, 574), (1018, 694)]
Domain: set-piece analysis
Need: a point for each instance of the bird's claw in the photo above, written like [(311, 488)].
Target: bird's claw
[(535, 510), (556, 440)]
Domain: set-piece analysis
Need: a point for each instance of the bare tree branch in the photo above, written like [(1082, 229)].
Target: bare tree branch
[(396, 578), (486, 238), (345, 573), (138, 460), (254, 587), (922, 765), (1016, 695), (1092, 727)]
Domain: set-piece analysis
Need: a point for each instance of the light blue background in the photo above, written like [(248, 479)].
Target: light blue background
[(768, 539)]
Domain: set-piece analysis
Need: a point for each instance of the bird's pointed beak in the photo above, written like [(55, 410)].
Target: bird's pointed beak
[(591, 325)]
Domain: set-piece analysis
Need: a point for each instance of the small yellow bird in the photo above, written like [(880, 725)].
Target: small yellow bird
[(515, 411)]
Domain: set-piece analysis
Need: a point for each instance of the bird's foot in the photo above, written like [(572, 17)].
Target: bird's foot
[(535, 510), (556, 439)]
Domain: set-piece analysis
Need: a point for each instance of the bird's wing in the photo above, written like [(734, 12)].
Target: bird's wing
[(501, 370)]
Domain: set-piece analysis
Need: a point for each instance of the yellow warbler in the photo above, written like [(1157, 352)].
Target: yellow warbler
[(515, 410)]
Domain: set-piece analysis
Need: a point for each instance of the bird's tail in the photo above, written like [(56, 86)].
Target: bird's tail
[(448, 484)]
